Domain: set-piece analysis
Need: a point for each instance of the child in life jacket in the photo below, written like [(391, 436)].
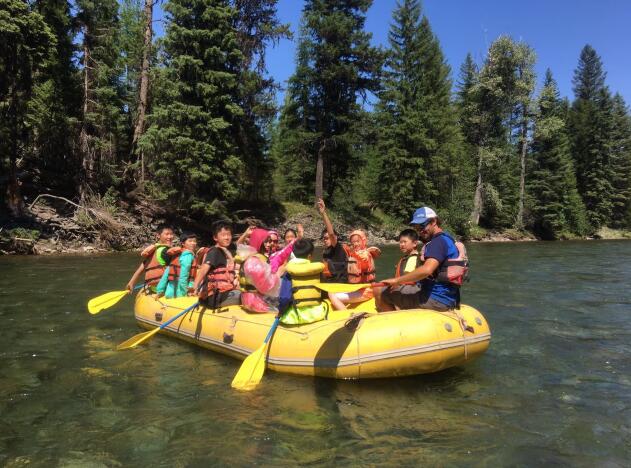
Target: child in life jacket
[(259, 282), (410, 261), (277, 256), (361, 269), (154, 260), (177, 279), (300, 301), (216, 283)]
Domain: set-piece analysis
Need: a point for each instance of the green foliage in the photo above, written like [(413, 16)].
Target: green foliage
[(190, 139), (591, 130), (335, 67), (621, 164), (555, 203)]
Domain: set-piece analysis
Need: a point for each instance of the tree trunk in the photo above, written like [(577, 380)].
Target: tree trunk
[(519, 224), (320, 171), (143, 98), (477, 198), (86, 151)]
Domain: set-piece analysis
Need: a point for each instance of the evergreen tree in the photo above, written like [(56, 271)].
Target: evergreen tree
[(257, 26), (555, 204), (591, 120), (621, 164), (336, 66), (418, 134), (102, 134), (26, 42), (194, 162), (54, 107)]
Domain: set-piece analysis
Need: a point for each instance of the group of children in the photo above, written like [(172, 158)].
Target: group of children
[(263, 276)]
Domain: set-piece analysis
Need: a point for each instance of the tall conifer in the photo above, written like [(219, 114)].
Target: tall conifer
[(191, 136), (621, 164), (556, 206)]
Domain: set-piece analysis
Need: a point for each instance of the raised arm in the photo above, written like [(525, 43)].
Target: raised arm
[(327, 222), (245, 235)]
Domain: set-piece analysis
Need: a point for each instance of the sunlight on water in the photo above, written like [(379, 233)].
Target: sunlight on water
[(554, 387)]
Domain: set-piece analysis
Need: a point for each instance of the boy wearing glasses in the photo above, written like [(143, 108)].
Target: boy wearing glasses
[(439, 278)]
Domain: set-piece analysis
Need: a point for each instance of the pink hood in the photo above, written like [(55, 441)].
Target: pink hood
[(257, 237)]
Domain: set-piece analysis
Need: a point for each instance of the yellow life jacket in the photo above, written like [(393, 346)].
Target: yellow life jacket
[(304, 275)]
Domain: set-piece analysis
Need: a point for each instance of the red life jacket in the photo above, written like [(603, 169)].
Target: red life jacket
[(361, 270), (175, 266), (153, 268), (400, 268), (452, 271), (220, 279)]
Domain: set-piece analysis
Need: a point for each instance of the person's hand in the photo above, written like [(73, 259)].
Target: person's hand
[(250, 228), (300, 231), (321, 206), (390, 282), (129, 287)]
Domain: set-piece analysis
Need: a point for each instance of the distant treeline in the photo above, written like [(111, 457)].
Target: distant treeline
[(93, 107)]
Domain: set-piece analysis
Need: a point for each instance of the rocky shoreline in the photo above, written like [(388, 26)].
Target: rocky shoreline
[(56, 226)]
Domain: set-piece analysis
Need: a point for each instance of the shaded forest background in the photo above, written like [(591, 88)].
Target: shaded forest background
[(95, 109)]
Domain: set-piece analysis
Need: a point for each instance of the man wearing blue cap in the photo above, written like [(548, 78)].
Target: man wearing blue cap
[(427, 286)]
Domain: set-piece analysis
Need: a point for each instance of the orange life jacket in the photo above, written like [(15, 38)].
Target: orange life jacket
[(153, 268), (175, 266), (361, 268), (220, 279)]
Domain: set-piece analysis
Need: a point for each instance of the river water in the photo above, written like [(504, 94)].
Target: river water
[(553, 388)]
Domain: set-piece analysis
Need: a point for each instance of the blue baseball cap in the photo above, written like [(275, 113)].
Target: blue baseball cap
[(422, 215)]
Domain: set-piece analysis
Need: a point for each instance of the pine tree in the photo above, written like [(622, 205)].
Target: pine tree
[(621, 164), (54, 106), (591, 132), (418, 134), (26, 43), (257, 26), (194, 163), (102, 134), (555, 204), (336, 66)]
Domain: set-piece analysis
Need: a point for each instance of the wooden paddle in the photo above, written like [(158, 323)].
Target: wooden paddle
[(251, 371), (346, 288), (140, 337), (107, 300)]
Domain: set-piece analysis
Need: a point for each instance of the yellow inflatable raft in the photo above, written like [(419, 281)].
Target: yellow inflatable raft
[(350, 344)]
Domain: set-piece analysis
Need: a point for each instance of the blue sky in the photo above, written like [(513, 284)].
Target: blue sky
[(556, 29)]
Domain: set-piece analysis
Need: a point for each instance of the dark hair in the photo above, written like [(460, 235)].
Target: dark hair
[(221, 224), (303, 248), (324, 231), (290, 230), (439, 221), (162, 227), (409, 233), (187, 235)]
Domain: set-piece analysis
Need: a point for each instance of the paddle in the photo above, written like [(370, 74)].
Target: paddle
[(251, 371), (140, 337), (107, 300), (345, 288)]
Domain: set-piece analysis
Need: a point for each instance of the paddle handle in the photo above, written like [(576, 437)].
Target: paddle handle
[(173, 319), (271, 330)]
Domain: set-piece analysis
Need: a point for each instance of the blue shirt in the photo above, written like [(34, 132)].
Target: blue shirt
[(441, 247)]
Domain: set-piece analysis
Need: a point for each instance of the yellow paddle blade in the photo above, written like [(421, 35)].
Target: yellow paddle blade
[(251, 371), (137, 339), (105, 301), (341, 287)]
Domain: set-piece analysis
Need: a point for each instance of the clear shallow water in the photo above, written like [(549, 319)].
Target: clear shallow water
[(554, 387)]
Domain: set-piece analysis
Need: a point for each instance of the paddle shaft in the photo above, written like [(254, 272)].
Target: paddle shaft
[(173, 319)]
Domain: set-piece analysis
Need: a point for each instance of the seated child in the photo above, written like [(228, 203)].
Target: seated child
[(259, 282), (216, 282), (154, 260), (178, 277), (361, 269), (410, 261), (300, 301)]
